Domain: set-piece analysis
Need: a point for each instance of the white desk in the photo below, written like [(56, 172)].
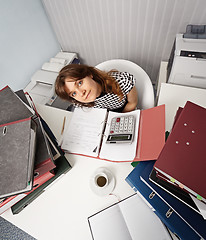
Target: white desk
[(61, 211)]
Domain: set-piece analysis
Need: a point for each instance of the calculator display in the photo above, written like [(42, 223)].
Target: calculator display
[(121, 129), (120, 137)]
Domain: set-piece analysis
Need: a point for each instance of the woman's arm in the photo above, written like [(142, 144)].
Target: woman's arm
[(132, 99)]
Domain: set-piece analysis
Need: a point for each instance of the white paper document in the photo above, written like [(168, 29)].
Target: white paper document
[(84, 132), (129, 219)]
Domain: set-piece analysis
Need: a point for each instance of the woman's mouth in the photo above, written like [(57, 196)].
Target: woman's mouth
[(87, 95)]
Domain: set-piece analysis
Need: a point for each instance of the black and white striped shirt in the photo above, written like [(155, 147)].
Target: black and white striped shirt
[(111, 101)]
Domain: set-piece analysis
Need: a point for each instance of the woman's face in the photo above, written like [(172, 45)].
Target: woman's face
[(85, 90)]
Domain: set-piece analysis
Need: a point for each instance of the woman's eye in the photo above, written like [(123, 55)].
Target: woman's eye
[(73, 94), (80, 83)]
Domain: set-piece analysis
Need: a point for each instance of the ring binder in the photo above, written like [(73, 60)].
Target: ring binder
[(85, 130), (4, 130)]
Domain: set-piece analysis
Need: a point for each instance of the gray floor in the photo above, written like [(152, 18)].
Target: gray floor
[(10, 232)]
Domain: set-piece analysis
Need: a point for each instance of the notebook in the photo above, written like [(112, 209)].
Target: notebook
[(128, 219)]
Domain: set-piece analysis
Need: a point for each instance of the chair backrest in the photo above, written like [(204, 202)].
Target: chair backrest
[(143, 83)]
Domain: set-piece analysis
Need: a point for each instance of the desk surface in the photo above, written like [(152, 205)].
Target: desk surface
[(61, 211)]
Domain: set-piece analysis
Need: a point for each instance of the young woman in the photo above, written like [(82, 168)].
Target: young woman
[(87, 86)]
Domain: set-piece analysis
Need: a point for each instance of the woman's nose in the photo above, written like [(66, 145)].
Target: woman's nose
[(82, 92)]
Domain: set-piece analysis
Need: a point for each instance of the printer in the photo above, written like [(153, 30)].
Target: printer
[(42, 84), (187, 62)]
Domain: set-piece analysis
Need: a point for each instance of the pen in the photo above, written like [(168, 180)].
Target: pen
[(63, 125)]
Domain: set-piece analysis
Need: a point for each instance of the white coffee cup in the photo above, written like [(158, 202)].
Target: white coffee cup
[(101, 180)]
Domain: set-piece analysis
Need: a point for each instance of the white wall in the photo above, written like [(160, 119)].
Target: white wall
[(27, 40), (142, 31)]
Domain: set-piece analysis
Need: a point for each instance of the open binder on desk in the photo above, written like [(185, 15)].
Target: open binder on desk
[(88, 129)]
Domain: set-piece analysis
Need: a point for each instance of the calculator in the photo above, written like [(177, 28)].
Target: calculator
[(121, 129)]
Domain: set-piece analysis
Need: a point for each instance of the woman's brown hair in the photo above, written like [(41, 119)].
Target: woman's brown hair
[(76, 72)]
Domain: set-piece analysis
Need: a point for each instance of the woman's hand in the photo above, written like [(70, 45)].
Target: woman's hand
[(132, 98)]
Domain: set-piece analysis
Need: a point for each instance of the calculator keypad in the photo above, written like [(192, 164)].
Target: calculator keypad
[(122, 125)]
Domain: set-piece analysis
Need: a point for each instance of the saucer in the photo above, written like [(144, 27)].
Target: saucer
[(106, 190)]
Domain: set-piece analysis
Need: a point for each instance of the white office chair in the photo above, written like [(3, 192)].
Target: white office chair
[(143, 82)]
